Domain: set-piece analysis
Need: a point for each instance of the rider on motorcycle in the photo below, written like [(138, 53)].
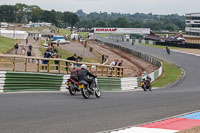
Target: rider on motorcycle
[(146, 77), (83, 74)]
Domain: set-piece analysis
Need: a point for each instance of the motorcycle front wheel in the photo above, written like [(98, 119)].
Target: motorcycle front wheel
[(144, 87), (85, 92), (97, 92)]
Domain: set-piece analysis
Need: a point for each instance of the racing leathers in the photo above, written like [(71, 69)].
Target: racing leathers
[(83, 75)]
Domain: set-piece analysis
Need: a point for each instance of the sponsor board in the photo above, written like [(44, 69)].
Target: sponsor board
[(123, 30)]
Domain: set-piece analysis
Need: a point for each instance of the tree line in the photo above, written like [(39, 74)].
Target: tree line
[(22, 13), (173, 22)]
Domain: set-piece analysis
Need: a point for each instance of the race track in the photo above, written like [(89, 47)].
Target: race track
[(62, 113)]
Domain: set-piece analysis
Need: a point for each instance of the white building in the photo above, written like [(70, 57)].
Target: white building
[(34, 25), (193, 24), (14, 34)]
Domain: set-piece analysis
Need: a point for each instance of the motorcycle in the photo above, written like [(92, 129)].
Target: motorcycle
[(73, 86), (146, 85), (86, 91)]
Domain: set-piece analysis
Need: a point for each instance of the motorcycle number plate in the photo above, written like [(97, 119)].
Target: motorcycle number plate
[(69, 83), (142, 83), (80, 86)]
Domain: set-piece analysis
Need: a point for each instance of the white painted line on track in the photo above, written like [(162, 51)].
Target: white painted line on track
[(184, 52), (145, 130), (123, 128)]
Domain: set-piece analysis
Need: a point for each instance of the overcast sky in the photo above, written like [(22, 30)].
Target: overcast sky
[(121, 6)]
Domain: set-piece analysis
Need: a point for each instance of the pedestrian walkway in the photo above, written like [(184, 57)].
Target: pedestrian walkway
[(171, 125), (35, 47)]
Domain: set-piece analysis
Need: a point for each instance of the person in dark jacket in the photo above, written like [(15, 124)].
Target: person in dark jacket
[(47, 54), (83, 74)]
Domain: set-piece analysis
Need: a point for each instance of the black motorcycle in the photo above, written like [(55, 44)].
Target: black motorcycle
[(168, 50), (73, 86), (87, 91), (146, 85)]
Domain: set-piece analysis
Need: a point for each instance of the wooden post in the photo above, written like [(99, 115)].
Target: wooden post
[(67, 67), (59, 68), (120, 72), (38, 70), (96, 70), (102, 71), (122, 75), (14, 63), (26, 64), (107, 71), (48, 67)]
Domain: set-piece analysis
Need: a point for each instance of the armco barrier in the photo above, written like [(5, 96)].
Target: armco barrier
[(18, 81), (130, 83)]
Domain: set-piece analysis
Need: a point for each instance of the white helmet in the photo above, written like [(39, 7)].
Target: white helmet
[(83, 66)]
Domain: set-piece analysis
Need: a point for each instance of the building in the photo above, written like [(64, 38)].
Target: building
[(34, 25), (192, 28)]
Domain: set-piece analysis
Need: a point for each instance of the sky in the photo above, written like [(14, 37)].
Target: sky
[(164, 7)]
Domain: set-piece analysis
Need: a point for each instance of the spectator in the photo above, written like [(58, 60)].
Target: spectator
[(30, 47), (80, 58), (116, 61), (103, 58), (112, 64), (120, 64), (71, 58), (29, 54), (56, 61), (16, 48), (23, 50), (26, 41), (47, 54)]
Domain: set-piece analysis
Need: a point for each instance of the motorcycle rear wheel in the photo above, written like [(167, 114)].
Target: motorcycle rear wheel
[(72, 90)]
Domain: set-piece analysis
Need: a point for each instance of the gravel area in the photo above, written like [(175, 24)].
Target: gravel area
[(133, 65), (192, 130)]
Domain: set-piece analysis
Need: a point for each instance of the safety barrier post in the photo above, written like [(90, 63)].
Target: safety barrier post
[(14, 59)]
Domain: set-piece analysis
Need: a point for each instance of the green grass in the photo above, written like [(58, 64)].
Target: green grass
[(6, 44), (83, 34), (64, 32), (171, 73)]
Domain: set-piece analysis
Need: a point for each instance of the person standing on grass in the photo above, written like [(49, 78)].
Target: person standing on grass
[(118, 69), (29, 54), (23, 50), (30, 47), (56, 61), (16, 48), (26, 41)]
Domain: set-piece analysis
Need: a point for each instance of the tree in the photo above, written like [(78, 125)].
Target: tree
[(70, 18), (121, 23), (100, 24)]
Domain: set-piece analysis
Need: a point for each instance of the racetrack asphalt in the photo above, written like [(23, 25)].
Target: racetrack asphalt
[(62, 113)]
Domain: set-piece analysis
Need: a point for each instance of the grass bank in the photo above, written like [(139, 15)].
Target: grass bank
[(6, 44), (171, 73)]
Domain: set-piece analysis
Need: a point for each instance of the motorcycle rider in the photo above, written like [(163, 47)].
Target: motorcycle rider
[(83, 74), (146, 77)]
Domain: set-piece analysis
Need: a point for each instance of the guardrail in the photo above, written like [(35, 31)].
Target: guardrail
[(133, 82), (97, 53), (53, 65)]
